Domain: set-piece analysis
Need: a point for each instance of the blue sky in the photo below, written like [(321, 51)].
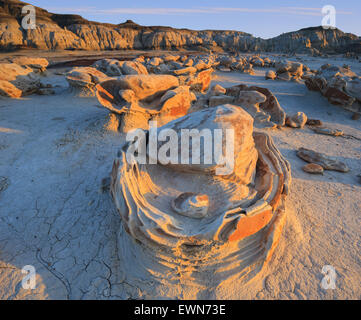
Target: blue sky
[(261, 18)]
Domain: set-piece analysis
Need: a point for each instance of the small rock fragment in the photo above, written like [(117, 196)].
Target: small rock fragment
[(328, 131), (270, 74), (314, 122), (297, 120), (356, 116), (326, 162), (313, 168)]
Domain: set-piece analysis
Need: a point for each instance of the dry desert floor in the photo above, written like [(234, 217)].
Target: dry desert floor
[(55, 215)]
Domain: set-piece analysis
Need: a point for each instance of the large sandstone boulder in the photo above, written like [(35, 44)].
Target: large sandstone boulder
[(83, 80), (288, 70), (17, 81), (140, 99), (206, 217), (37, 64), (199, 82)]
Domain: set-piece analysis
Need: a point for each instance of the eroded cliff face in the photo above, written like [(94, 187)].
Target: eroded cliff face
[(72, 32)]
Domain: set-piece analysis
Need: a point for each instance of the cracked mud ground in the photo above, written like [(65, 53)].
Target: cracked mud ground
[(55, 215)]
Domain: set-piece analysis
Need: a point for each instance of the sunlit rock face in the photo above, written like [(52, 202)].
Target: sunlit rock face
[(138, 99), (83, 80), (198, 224), (339, 85), (21, 77)]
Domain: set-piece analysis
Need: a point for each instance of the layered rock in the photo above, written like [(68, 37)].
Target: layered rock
[(288, 70), (139, 99), (83, 80), (21, 77), (61, 31), (260, 103), (113, 67), (339, 85), (297, 120), (208, 225)]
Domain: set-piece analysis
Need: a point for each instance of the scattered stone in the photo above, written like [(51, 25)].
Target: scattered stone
[(326, 162), (288, 70), (217, 90), (313, 168), (356, 116), (82, 80), (328, 131), (270, 74), (187, 70), (314, 122), (297, 120), (155, 61), (339, 85)]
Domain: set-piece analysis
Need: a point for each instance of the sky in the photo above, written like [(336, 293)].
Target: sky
[(262, 18)]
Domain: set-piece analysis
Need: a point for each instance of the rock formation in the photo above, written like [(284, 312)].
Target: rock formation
[(193, 224), (83, 80), (113, 67), (297, 120), (138, 99), (288, 70), (339, 85), (21, 77), (62, 31), (260, 103), (326, 162), (313, 168)]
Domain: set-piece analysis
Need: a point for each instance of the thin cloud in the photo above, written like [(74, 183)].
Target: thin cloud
[(199, 10)]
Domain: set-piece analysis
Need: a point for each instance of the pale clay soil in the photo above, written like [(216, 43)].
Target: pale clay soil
[(54, 154)]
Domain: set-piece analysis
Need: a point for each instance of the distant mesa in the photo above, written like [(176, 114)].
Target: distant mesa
[(73, 32)]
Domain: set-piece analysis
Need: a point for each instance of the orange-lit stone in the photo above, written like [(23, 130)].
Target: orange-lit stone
[(247, 226)]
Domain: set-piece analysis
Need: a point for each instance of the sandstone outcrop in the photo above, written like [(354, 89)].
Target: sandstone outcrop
[(62, 31), (113, 67), (270, 75), (288, 70), (260, 103), (339, 85), (83, 80), (20, 79), (208, 225), (140, 99)]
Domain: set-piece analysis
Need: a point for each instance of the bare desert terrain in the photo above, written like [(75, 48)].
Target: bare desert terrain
[(56, 212)]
